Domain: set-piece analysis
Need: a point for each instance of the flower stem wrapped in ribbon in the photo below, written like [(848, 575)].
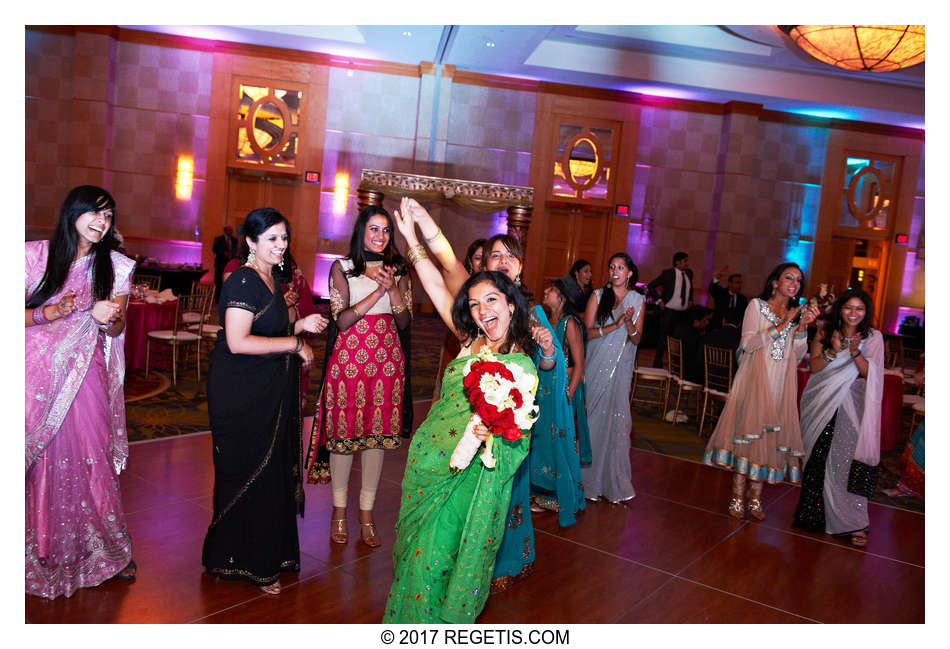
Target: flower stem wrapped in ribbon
[(502, 397)]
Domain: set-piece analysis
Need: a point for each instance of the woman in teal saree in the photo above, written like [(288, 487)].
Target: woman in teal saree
[(451, 524)]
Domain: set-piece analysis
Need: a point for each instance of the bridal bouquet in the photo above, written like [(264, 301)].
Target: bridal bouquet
[(502, 397)]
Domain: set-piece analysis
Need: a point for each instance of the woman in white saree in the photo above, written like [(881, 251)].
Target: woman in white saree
[(841, 421)]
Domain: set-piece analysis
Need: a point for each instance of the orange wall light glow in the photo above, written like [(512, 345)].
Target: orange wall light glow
[(184, 178)]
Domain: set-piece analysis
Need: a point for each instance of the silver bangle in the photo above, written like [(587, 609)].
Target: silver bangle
[(601, 331)]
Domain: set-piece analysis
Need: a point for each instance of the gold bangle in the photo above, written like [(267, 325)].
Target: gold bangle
[(397, 308), (416, 254)]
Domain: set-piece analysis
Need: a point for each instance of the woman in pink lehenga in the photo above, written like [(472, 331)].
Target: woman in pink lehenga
[(360, 406), (758, 435), (77, 287)]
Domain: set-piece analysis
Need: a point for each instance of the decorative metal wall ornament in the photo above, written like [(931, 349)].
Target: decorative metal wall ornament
[(266, 125)]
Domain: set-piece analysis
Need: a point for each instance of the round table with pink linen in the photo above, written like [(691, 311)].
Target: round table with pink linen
[(140, 318)]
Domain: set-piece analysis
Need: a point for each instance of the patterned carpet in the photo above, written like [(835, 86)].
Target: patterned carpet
[(155, 408)]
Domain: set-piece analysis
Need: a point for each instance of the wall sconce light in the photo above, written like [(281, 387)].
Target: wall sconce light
[(341, 188), (184, 179)]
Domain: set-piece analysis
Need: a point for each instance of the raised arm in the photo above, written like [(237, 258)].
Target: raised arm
[(454, 273), (429, 275)]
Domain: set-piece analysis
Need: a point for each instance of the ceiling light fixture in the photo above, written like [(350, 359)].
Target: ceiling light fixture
[(489, 43), (867, 48), (407, 34)]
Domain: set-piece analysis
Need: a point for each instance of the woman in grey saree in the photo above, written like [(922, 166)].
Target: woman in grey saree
[(614, 320), (841, 421)]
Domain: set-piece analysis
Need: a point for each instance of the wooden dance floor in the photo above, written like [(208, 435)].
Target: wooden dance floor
[(670, 555)]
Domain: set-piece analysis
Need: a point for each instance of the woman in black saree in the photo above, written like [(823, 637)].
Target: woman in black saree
[(254, 410)]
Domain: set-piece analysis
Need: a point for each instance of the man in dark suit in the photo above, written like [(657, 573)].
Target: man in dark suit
[(729, 300), (224, 249), (674, 297)]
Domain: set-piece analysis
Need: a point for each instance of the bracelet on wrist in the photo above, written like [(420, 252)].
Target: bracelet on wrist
[(416, 254), (856, 354), (397, 308), (828, 358), (600, 330), (435, 236), (548, 358), (39, 315)]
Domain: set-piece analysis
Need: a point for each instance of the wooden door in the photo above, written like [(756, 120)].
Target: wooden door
[(247, 192), (573, 233)]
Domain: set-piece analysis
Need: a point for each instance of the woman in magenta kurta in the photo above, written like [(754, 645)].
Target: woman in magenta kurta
[(77, 287)]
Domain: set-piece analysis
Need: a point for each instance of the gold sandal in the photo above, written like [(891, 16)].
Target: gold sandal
[(755, 509), (736, 508), (338, 533), (373, 539)]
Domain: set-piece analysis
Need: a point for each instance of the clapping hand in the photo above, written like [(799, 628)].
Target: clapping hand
[(385, 277), (105, 312), (314, 323), (855, 341), (810, 313)]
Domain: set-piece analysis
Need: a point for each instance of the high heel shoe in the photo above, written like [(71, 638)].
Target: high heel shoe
[(372, 540), (338, 533)]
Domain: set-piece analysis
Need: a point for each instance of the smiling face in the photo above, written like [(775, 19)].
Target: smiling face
[(490, 310), (789, 282), (92, 226), (618, 274), (583, 276), (378, 234), (271, 244), (853, 312), (503, 260)]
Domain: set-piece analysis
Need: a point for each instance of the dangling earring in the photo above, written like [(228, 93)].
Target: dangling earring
[(281, 263), (251, 257), (518, 280), (774, 291)]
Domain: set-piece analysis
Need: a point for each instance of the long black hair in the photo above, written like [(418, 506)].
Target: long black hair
[(65, 243), (519, 329), (255, 224), (607, 297), (833, 319), (391, 256), (767, 291), (513, 246)]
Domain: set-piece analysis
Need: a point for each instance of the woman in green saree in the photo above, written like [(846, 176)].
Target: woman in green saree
[(451, 523)]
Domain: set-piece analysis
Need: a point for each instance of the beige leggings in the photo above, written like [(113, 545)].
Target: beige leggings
[(371, 466)]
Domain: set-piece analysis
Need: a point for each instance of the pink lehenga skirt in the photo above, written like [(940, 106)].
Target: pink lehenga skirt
[(362, 391), (76, 534)]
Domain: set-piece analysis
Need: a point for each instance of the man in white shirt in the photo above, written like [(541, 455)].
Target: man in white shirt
[(674, 297)]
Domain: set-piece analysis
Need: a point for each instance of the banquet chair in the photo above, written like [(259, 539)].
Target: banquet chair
[(154, 282), (204, 327), (893, 352), (206, 290), (650, 379), (674, 348), (176, 337), (718, 369)]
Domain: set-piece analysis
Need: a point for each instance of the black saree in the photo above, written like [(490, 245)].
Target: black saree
[(254, 409)]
